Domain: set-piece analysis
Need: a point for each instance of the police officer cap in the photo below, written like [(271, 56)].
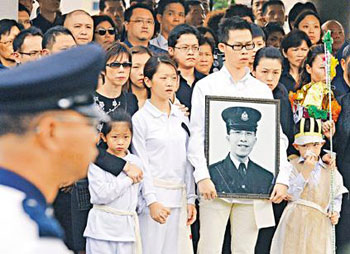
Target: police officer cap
[(241, 118), (65, 80)]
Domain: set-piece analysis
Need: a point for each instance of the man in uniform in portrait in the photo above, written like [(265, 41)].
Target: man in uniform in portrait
[(237, 173)]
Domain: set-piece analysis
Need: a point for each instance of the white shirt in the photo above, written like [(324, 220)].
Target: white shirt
[(160, 42), (221, 84), (116, 192), (19, 233), (161, 141)]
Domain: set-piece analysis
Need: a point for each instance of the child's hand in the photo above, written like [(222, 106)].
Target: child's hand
[(334, 217), (158, 212), (327, 158), (133, 172), (327, 127), (191, 214)]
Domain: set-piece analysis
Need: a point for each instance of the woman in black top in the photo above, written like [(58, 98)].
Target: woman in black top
[(267, 68), (112, 95), (294, 47)]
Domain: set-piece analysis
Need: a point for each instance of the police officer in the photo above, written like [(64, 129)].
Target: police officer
[(47, 139), (237, 173)]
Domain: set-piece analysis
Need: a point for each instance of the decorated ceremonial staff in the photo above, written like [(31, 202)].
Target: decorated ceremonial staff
[(328, 41)]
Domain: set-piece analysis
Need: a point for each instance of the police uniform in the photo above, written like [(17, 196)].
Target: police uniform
[(228, 174), (63, 81)]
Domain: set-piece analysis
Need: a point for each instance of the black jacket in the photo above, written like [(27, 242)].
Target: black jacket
[(227, 179)]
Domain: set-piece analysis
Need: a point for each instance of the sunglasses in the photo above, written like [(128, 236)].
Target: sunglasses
[(102, 31), (117, 65)]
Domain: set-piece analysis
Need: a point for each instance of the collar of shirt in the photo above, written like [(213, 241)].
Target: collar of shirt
[(156, 113), (226, 73), (10, 179), (317, 170), (161, 41), (237, 162)]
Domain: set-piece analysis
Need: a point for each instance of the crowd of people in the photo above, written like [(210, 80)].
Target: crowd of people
[(149, 189)]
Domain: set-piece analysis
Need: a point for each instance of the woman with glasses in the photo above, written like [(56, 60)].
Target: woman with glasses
[(112, 95), (105, 31)]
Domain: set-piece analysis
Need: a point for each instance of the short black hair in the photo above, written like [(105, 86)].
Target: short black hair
[(203, 30), (101, 18), (257, 31), (240, 10), (18, 41), (296, 9), (302, 16), (21, 7), (117, 49), (273, 27), (17, 124), (6, 26), (102, 3), (179, 30), (190, 3), (270, 3), (141, 50), (267, 52), (229, 24), (128, 12), (50, 36), (117, 116), (294, 39), (162, 4), (154, 62), (209, 41)]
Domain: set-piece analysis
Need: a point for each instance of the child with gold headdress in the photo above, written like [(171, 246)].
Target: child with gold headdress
[(306, 223), (312, 99)]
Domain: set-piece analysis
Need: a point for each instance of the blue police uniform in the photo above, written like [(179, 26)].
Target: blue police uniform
[(59, 82)]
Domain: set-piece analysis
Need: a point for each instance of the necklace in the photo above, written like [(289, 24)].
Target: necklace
[(101, 105)]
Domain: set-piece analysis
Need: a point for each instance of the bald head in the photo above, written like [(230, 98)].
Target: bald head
[(337, 32), (81, 25)]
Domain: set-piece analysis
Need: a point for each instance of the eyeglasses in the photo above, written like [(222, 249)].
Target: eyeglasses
[(102, 31), (185, 49), (142, 21), (116, 65), (34, 53), (239, 47)]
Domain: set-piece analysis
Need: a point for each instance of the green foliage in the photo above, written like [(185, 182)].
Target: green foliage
[(222, 4)]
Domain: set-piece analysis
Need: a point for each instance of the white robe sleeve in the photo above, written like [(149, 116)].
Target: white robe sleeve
[(139, 149), (104, 190)]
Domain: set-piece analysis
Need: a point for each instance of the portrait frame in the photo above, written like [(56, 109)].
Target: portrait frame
[(265, 154)]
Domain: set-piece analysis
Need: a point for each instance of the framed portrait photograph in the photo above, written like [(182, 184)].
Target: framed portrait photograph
[(242, 145)]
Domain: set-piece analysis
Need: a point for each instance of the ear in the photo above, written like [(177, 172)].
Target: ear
[(126, 25), (17, 57), (103, 137), (221, 47), (308, 69), (46, 134), (284, 53), (343, 64), (171, 51), (45, 52), (148, 82), (296, 146), (159, 18), (254, 72)]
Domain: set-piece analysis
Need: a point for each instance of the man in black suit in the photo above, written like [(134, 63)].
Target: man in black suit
[(237, 173)]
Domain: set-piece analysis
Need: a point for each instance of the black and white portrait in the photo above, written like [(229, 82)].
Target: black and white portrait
[(242, 145)]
